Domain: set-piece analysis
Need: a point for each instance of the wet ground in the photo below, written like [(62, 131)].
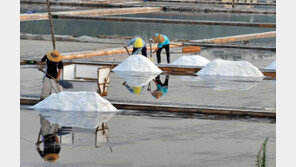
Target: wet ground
[(156, 141)]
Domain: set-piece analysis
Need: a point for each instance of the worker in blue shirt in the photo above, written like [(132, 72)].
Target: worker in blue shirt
[(161, 88), (138, 45), (163, 42)]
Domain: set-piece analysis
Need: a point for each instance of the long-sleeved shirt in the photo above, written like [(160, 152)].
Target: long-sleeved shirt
[(165, 42), (132, 42)]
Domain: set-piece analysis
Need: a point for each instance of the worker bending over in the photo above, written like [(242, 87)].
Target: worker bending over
[(163, 42), (138, 45), (54, 66)]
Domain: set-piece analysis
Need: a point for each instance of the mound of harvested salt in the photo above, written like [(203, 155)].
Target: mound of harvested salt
[(194, 60), (230, 68), (75, 101), (272, 66), (137, 63)]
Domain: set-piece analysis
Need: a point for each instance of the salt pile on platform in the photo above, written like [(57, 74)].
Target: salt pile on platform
[(272, 66), (75, 101), (138, 63), (230, 68), (194, 60)]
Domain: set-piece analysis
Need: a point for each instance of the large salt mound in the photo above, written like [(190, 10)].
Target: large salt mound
[(195, 60), (75, 101), (272, 66), (230, 68), (137, 63)]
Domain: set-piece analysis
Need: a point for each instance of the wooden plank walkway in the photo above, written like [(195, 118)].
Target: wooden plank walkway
[(185, 108), (267, 48), (167, 21), (93, 12)]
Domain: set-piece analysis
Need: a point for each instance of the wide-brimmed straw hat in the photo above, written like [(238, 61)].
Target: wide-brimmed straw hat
[(158, 38), (51, 157), (157, 94), (54, 56)]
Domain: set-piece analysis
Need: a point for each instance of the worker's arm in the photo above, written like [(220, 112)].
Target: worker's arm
[(155, 50), (60, 67), (131, 42), (59, 73), (42, 60)]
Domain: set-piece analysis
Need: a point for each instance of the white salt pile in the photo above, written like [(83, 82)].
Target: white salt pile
[(230, 68), (194, 60), (272, 66), (75, 101), (137, 63)]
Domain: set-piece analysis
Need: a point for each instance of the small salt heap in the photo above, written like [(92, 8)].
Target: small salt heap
[(272, 66), (230, 68), (137, 63), (194, 60), (75, 101)]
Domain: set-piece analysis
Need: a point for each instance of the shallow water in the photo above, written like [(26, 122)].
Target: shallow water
[(155, 141), (145, 30), (181, 89)]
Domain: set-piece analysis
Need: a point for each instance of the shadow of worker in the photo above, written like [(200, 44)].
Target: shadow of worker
[(161, 88), (50, 140)]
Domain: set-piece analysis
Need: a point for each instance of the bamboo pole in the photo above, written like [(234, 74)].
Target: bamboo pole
[(51, 25), (168, 21)]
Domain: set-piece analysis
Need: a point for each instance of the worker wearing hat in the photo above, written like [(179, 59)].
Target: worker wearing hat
[(163, 42), (51, 145), (139, 45), (54, 66), (161, 88)]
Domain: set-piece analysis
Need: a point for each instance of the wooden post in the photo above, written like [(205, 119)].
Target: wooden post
[(51, 25)]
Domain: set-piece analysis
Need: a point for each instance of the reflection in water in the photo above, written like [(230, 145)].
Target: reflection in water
[(161, 88), (51, 143), (59, 124), (223, 83)]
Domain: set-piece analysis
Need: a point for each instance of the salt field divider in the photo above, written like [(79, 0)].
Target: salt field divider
[(167, 21), (92, 12), (154, 107), (164, 7), (216, 2), (167, 68)]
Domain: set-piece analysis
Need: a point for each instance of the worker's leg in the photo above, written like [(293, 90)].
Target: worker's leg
[(134, 49), (144, 51), (56, 88), (158, 55), (46, 88), (166, 82), (167, 50)]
